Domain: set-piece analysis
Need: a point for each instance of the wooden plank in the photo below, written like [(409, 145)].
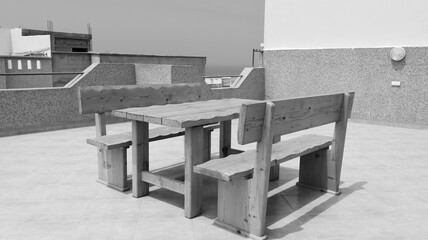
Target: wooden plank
[(174, 115), (100, 130), (260, 181), (274, 170), (242, 165), (292, 115), (313, 170), (335, 162), (140, 157), (98, 99), (163, 181), (203, 118), (232, 207), (193, 153), (225, 138), (201, 108)]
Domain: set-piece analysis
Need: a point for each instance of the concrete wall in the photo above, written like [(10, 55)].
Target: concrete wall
[(367, 71), (251, 86), (5, 42), (76, 62), (31, 110), (68, 62), (22, 44), (43, 109), (199, 62), (301, 24), (2, 78), (26, 81), (166, 74)]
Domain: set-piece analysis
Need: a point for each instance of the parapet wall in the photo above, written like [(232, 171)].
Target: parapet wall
[(251, 86), (367, 71), (77, 62), (25, 64), (41, 109)]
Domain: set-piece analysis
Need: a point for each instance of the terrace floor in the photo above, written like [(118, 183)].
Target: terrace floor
[(48, 190)]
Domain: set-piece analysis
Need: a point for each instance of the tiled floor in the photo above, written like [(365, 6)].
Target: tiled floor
[(48, 190)]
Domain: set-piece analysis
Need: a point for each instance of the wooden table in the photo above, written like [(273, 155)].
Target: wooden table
[(192, 116)]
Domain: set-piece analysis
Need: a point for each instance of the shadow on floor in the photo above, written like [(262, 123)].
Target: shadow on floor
[(296, 224)]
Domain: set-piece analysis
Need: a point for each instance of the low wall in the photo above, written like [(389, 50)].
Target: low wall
[(166, 74), (77, 62), (68, 62), (367, 71), (250, 86), (28, 65), (41, 109)]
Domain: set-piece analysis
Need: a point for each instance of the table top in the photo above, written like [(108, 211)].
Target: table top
[(187, 114)]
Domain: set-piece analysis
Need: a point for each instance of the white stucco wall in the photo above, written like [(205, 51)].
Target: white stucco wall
[(21, 44), (308, 24), (5, 42)]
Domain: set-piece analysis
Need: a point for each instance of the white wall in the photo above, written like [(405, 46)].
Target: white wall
[(21, 44), (5, 43), (308, 24)]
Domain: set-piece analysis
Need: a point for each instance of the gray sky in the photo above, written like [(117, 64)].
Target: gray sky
[(225, 31)]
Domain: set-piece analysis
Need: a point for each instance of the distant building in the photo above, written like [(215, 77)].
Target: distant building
[(27, 51), (30, 42)]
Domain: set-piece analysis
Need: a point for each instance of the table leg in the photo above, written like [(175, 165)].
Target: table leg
[(225, 138), (193, 152), (140, 157)]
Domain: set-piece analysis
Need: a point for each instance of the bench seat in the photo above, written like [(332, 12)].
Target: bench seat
[(124, 140), (242, 165)]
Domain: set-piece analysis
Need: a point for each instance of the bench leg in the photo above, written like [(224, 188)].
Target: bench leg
[(274, 171), (225, 138), (114, 170), (207, 145), (233, 207), (313, 172)]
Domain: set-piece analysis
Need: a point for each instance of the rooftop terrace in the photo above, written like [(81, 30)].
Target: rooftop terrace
[(48, 190)]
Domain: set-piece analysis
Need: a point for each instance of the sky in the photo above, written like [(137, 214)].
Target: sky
[(225, 31)]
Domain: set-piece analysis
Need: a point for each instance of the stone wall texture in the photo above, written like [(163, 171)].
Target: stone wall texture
[(367, 71), (32, 110)]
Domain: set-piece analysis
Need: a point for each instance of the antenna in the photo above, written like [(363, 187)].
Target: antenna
[(49, 25), (90, 33)]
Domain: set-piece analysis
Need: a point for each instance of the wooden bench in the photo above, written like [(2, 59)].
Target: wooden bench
[(100, 100), (243, 178)]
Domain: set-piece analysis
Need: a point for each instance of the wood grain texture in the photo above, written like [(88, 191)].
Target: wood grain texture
[(242, 165), (339, 137), (225, 138), (140, 157), (121, 140), (260, 181), (100, 99), (291, 115), (193, 153), (163, 181), (187, 114)]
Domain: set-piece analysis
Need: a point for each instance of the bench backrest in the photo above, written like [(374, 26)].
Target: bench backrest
[(292, 115), (104, 99), (101, 99)]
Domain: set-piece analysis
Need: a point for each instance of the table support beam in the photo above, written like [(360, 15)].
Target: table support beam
[(193, 152), (140, 157)]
